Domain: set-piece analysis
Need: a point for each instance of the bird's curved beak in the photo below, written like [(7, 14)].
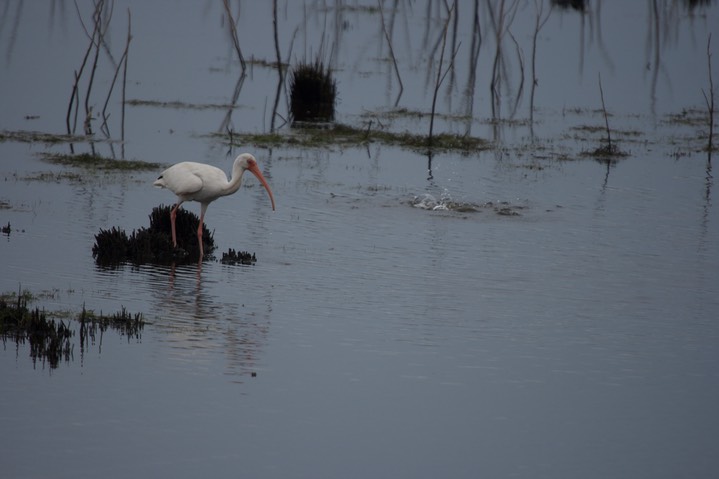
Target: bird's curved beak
[(255, 170)]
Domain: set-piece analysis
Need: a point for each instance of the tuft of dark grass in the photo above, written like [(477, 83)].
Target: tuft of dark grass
[(126, 324), (99, 162), (607, 151), (344, 135), (49, 339), (154, 244), (313, 93), (233, 257)]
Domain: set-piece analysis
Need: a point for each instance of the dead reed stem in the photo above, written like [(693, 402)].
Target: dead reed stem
[(710, 100), (606, 118), (520, 59), (233, 34), (539, 23), (124, 80), (391, 53), (440, 75), (473, 61), (97, 18), (123, 61), (74, 96)]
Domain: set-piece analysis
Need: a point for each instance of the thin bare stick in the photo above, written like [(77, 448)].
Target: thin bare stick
[(710, 100), (391, 53), (606, 119), (279, 65), (233, 34), (440, 76), (124, 80), (114, 78), (539, 23), (520, 59), (73, 96), (78, 74), (100, 33), (473, 61)]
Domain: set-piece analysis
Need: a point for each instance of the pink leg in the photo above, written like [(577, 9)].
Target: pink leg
[(173, 215), (203, 208)]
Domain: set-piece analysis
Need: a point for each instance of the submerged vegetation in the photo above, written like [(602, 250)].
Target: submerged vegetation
[(344, 135), (50, 340), (154, 244), (99, 162), (313, 93)]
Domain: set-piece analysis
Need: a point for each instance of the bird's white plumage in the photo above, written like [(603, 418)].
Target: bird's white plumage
[(192, 181)]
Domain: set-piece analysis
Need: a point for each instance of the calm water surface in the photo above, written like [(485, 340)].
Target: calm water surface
[(373, 338)]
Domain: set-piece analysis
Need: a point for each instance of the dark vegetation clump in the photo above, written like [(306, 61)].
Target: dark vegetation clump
[(49, 339), (313, 91), (578, 5), (154, 244), (609, 150), (238, 257), (123, 322)]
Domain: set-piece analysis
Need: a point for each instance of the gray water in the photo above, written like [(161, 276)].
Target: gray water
[(374, 337)]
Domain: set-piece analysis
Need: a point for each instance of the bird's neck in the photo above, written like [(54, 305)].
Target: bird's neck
[(235, 181)]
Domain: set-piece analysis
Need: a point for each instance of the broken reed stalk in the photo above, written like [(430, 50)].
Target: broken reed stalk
[(233, 34), (74, 96), (97, 18), (440, 76), (606, 118), (710, 100), (279, 66), (124, 80), (473, 62), (520, 59), (123, 60), (391, 52), (539, 23)]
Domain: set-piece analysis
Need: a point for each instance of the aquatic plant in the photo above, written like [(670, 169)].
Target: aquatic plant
[(93, 161), (233, 257), (344, 135), (49, 339), (154, 244), (313, 92), (123, 322)]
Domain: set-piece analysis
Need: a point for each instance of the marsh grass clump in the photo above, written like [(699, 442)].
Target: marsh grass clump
[(341, 135), (610, 150), (233, 257), (49, 339), (125, 323), (92, 161), (313, 92), (154, 244)]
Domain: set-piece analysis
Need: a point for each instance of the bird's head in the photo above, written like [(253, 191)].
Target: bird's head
[(247, 162)]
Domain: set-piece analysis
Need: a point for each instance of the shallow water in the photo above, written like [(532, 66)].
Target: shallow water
[(373, 338)]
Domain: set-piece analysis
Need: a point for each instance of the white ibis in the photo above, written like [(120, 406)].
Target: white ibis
[(203, 183)]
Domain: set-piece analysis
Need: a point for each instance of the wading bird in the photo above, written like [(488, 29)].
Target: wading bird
[(205, 183)]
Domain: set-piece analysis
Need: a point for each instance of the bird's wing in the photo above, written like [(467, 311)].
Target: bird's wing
[(181, 179)]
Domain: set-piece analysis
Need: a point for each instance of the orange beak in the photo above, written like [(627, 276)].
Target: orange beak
[(255, 170)]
